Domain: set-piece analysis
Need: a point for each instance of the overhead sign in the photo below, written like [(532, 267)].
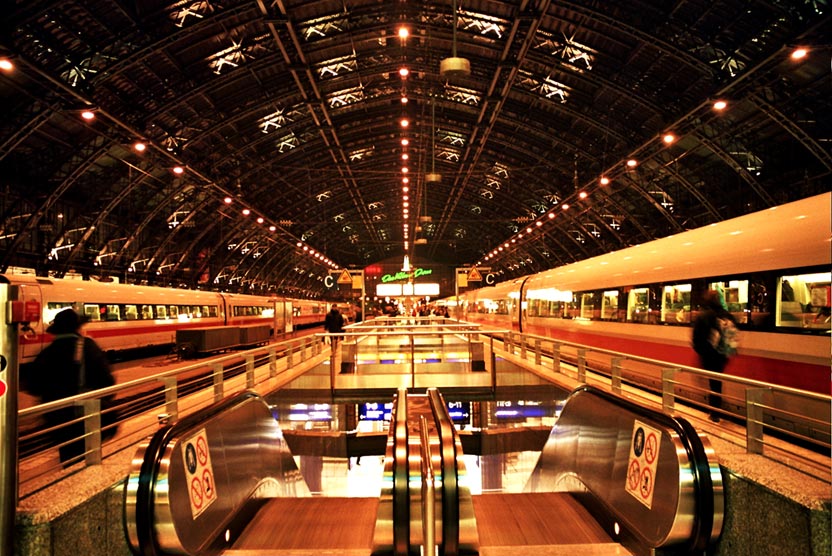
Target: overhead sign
[(199, 473), (3, 388), (474, 275), (402, 275), (345, 277), (643, 461)]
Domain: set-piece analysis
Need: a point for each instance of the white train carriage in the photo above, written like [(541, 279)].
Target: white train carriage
[(120, 317), (307, 313), (773, 268)]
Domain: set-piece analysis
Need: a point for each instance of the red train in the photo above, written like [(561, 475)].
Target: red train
[(124, 317), (773, 268)]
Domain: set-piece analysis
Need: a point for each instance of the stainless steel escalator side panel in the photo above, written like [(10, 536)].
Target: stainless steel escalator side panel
[(392, 530), (209, 469), (589, 451)]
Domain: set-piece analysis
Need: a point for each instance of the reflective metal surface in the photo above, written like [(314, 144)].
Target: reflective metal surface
[(190, 480), (392, 532), (589, 453), (459, 525)]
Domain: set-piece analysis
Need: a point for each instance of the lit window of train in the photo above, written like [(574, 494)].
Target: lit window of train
[(96, 312)]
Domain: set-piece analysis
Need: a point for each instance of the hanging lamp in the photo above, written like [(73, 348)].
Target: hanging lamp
[(432, 176), (454, 67)]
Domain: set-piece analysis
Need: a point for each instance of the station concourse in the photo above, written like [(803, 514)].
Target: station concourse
[(538, 195)]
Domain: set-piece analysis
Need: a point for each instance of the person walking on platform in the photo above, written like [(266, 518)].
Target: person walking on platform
[(714, 340), (334, 324), (70, 365)]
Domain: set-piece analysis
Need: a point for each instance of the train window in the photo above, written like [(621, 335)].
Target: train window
[(113, 312), (161, 312), (53, 308), (676, 303), (131, 312), (147, 312), (92, 312), (609, 305), (589, 305), (735, 297), (642, 304), (173, 312), (805, 300)]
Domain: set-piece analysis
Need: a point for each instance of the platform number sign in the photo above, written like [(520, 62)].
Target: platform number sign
[(199, 473), (642, 463)]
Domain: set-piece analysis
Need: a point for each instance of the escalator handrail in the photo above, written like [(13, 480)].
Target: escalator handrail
[(401, 474), (450, 478), (154, 453), (703, 525)]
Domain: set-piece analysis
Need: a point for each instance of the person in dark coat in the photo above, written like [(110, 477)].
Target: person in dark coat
[(70, 365), (714, 340), (334, 323)]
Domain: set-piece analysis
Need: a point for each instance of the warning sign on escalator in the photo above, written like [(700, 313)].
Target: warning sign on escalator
[(199, 474), (642, 463)]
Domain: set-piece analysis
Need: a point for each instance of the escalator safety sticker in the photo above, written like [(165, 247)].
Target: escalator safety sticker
[(199, 473), (642, 464)]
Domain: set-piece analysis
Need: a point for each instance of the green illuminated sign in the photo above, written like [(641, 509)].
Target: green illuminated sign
[(402, 275)]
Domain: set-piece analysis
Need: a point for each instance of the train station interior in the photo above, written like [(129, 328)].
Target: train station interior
[(519, 208)]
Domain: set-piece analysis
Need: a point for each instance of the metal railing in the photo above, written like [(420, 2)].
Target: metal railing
[(783, 423), (146, 403)]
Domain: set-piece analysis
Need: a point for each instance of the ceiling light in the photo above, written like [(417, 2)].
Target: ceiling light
[(138, 146), (454, 67), (668, 138), (405, 142), (6, 64), (605, 180), (583, 194), (178, 170), (229, 200), (246, 212), (404, 72), (632, 163), (88, 115), (403, 32), (799, 53), (405, 122), (720, 105)]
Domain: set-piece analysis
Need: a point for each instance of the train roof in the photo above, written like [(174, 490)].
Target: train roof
[(787, 236)]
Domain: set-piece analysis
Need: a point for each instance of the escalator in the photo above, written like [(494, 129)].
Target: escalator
[(613, 478)]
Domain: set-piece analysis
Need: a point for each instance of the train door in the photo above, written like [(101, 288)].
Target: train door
[(288, 311), (518, 315), (279, 316), (31, 345)]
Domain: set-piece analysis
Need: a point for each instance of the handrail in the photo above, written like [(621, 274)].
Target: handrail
[(428, 490), (140, 486), (401, 475), (685, 508), (164, 384), (695, 370), (807, 410), (709, 503), (448, 466)]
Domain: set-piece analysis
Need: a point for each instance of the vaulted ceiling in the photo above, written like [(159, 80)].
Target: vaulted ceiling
[(292, 109)]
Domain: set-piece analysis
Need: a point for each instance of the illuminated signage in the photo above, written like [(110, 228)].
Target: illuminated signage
[(402, 275)]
